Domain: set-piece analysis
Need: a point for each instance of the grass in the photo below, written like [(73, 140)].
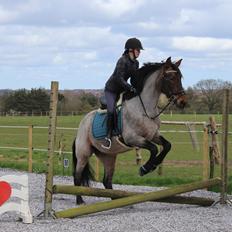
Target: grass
[(126, 169)]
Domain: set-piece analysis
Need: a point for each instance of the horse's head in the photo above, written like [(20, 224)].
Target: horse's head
[(171, 82)]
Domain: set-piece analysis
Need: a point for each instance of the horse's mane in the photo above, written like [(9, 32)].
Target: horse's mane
[(140, 76)]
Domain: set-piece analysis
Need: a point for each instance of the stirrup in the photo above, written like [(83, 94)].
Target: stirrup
[(110, 143)]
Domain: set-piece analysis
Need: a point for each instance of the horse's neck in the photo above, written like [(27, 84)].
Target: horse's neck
[(151, 93)]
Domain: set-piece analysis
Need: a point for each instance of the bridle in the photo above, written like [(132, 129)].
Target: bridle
[(174, 96), (165, 77)]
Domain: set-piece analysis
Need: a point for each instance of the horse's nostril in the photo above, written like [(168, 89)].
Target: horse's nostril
[(181, 104)]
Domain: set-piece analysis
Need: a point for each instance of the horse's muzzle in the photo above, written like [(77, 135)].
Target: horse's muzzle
[(181, 101)]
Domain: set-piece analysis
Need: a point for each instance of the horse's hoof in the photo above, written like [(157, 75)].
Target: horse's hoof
[(130, 207), (80, 202), (142, 171)]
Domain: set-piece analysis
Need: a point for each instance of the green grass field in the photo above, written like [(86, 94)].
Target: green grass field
[(126, 168)]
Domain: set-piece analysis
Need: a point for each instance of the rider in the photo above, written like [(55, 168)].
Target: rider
[(117, 83)]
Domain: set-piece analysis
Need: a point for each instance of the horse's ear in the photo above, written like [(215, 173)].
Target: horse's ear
[(169, 61), (178, 63)]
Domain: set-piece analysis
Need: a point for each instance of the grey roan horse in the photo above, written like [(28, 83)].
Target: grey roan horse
[(141, 124)]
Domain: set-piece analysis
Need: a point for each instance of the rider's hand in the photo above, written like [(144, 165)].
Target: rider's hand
[(133, 90)]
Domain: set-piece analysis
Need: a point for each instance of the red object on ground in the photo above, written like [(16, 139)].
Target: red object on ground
[(5, 192)]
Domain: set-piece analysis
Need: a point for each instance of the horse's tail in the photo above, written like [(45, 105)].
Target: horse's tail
[(74, 157), (87, 173)]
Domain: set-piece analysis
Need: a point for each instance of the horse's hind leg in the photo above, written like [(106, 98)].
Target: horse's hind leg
[(78, 177), (82, 171), (109, 167)]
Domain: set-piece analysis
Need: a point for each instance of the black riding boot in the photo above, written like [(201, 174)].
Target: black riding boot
[(110, 124)]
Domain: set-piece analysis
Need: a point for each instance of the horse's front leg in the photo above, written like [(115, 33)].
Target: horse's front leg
[(166, 147), (141, 142), (151, 164)]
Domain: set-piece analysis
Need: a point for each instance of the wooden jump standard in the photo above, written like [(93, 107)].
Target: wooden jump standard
[(135, 199)]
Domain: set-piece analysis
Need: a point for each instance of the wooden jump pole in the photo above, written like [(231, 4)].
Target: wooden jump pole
[(224, 160), (115, 194), (51, 146), (101, 206)]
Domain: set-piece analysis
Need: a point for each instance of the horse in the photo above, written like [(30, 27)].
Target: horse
[(141, 123)]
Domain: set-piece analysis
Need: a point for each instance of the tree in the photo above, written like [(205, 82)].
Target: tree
[(88, 102), (35, 100), (61, 102), (210, 94), (3, 98), (38, 100), (17, 101)]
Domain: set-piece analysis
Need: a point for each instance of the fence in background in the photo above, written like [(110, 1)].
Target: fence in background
[(210, 154)]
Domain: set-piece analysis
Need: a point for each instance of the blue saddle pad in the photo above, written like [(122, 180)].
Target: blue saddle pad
[(99, 126)]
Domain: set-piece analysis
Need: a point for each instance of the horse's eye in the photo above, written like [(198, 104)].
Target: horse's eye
[(171, 77)]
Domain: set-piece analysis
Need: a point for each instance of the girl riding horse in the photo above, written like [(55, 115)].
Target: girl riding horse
[(141, 124), (117, 83)]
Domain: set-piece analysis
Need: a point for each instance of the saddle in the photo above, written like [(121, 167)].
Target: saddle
[(99, 126)]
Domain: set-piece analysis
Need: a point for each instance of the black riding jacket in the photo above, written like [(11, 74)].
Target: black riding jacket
[(125, 68)]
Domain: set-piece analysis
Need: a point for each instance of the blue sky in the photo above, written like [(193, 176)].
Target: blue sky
[(78, 42)]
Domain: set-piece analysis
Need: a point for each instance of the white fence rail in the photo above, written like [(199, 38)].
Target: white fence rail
[(30, 147)]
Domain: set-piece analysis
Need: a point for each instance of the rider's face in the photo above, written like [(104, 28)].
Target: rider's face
[(137, 52)]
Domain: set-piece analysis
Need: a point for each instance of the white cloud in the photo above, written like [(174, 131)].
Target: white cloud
[(72, 38), (148, 25), (202, 44), (115, 8), (90, 56), (61, 37), (58, 59), (185, 18), (7, 15), (10, 13)]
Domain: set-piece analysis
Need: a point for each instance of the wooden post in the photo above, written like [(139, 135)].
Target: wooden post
[(214, 143), (125, 201), (30, 147), (160, 167), (51, 146), (96, 168), (205, 154), (138, 156), (224, 164), (160, 170), (193, 136), (212, 163)]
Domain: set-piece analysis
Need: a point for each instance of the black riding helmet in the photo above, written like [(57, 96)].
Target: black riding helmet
[(133, 43)]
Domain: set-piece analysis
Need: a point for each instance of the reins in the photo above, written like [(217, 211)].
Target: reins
[(172, 99)]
